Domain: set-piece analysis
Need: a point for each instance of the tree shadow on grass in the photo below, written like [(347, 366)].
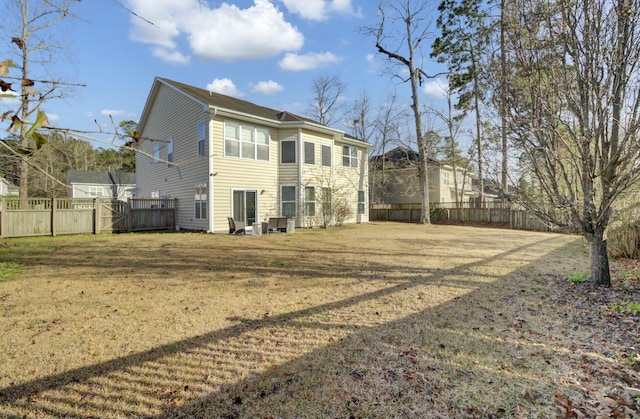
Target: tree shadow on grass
[(352, 356)]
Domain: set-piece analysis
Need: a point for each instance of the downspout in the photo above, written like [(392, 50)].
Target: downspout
[(300, 191), (210, 206)]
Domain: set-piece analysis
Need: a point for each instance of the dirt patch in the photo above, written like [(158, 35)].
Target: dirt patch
[(378, 320)]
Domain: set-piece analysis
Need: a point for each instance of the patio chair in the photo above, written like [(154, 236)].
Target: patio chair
[(236, 227), (277, 224)]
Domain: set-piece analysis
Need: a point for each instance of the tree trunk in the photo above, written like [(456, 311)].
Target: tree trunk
[(600, 274)]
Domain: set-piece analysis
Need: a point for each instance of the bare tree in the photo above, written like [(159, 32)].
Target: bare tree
[(327, 104), (451, 148), (403, 50), (576, 103), (29, 28)]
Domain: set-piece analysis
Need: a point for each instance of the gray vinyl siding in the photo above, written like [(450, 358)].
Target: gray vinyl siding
[(174, 116)]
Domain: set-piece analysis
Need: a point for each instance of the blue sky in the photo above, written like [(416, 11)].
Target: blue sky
[(264, 51)]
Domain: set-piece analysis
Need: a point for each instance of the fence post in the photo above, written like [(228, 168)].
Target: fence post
[(97, 215), (53, 217), (128, 215)]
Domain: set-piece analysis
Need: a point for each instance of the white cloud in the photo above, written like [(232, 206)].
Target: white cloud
[(436, 88), (223, 33), (318, 9), (224, 86), (116, 112), (170, 56), (52, 118), (9, 99), (268, 87), (310, 61)]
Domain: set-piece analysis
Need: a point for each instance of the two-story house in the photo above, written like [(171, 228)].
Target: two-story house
[(394, 179), (225, 157)]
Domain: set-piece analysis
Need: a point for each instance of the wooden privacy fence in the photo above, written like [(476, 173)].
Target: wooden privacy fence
[(56, 216), (514, 218)]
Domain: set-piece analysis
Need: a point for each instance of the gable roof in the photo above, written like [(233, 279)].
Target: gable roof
[(237, 106), (101, 178)]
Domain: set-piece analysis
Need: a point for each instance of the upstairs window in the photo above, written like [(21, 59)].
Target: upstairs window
[(349, 156), (246, 141), (326, 155), (262, 144), (231, 139), (445, 178), (309, 153), (170, 152), (288, 152), (156, 153), (201, 140)]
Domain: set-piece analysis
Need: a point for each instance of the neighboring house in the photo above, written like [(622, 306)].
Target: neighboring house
[(108, 185), (394, 179), (7, 189), (225, 157)]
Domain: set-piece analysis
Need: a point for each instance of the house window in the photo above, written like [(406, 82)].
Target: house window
[(170, 152), (288, 152), (246, 141), (201, 140), (310, 201), (231, 139), (95, 191), (156, 153), (361, 202), (309, 153), (201, 202), (445, 178), (326, 155), (288, 201), (349, 156), (262, 144), (459, 178)]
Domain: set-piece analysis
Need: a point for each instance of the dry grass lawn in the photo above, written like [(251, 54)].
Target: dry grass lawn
[(372, 321)]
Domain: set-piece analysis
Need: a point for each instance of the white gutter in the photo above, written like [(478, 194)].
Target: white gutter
[(210, 207), (300, 199)]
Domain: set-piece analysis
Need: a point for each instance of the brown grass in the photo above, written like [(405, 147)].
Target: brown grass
[(378, 320)]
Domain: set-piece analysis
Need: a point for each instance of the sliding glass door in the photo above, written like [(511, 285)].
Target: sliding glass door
[(245, 206)]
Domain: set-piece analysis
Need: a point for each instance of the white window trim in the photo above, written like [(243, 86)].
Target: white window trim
[(295, 151), (256, 145), (363, 202), (170, 152), (305, 152), (202, 193), (295, 201), (330, 148), (202, 138), (96, 191), (310, 202), (350, 156)]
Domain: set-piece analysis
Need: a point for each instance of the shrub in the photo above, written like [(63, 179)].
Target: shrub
[(624, 240)]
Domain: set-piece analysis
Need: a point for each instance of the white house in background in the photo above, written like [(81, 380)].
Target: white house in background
[(7, 189), (225, 157), (108, 185)]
